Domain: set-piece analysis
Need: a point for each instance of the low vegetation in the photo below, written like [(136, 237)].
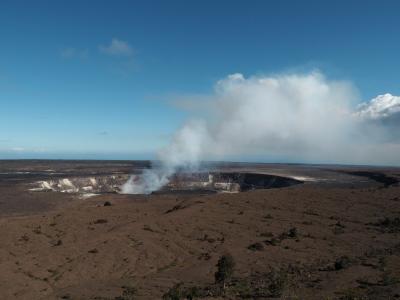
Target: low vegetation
[(128, 293), (342, 263), (292, 233), (390, 225), (353, 294), (180, 291), (268, 285), (256, 247), (225, 267)]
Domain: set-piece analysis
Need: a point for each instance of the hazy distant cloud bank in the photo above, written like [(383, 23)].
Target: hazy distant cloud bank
[(117, 47), (17, 149)]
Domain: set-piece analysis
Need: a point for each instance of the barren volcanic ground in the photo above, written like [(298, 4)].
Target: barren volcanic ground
[(328, 232)]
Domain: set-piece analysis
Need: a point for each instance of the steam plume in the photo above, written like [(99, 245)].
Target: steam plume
[(301, 117)]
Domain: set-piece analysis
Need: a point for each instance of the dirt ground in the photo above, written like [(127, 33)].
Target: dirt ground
[(319, 240)]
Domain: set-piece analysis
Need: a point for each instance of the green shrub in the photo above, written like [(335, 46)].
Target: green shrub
[(225, 267), (342, 263), (278, 281), (255, 247), (128, 293), (178, 292), (174, 293)]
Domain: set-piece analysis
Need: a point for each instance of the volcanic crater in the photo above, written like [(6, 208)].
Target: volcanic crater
[(202, 182)]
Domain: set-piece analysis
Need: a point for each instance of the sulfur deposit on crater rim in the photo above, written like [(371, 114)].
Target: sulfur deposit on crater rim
[(82, 185)]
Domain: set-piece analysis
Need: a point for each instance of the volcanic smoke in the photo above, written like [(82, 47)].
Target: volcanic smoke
[(287, 117)]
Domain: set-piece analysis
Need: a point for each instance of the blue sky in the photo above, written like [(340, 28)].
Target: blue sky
[(95, 79)]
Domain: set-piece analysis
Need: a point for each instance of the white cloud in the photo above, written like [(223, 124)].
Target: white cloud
[(117, 48), (17, 149), (381, 107), (74, 53)]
